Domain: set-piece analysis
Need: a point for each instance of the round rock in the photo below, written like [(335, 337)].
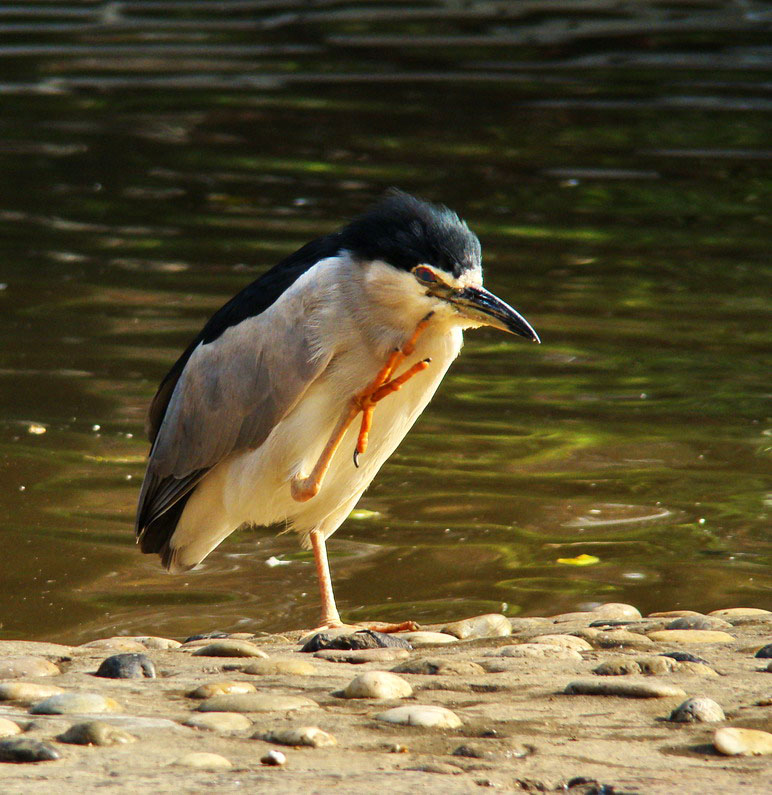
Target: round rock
[(698, 709), (152, 642), (309, 736), (230, 648), (127, 666), (439, 667), (378, 684), (283, 667), (24, 749), (564, 641), (618, 610), (255, 702), (219, 721), (425, 715), (539, 650), (222, 689), (624, 689), (27, 692), (274, 759), (115, 644), (75, 703), (8, 728), (690, 636), (742, 742), (204, 761), (731, 612), (765, 652), (95, 732), (490, 625), (26, 665)]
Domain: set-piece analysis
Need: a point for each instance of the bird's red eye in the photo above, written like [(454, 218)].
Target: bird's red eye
[(425, 275)]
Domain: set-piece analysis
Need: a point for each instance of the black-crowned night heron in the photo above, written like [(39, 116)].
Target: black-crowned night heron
[(255, 422)]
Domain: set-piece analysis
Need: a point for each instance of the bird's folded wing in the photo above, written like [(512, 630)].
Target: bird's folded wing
[(230, 395)]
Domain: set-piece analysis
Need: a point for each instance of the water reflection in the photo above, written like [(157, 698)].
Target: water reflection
[(620, 196)]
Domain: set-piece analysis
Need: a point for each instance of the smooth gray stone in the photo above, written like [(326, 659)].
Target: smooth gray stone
[(127, 666), (72, 703), (24, 749)]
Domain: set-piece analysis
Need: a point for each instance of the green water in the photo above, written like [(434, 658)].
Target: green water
[(620, 186)]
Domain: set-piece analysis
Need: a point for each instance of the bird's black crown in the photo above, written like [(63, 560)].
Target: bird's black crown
[(404, 232)]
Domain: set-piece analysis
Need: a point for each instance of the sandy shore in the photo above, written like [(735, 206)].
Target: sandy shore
[(583, 710)]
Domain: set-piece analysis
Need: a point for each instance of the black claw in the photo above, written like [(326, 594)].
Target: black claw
[(356, 458), (427, 361)]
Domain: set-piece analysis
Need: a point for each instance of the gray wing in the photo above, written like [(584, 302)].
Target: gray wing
[(230, 395)]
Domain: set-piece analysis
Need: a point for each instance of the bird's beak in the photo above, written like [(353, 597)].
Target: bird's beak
[(483, 307)]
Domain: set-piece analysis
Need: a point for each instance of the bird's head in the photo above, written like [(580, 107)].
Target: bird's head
[(437, 259)]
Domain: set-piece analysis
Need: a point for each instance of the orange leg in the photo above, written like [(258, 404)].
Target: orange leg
[(383, 384)]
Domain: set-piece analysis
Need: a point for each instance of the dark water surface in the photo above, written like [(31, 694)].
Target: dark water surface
[(613, 158)]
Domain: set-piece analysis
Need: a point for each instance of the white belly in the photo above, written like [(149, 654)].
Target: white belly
[(254, 486), (257, 486)]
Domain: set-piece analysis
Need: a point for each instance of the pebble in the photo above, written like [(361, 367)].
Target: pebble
[(115, 644), (742, 742), (280, 667), (359, 656), (698, 622), (564, 641), (230, 648), (24, 749), (695, 669), (425, 638), (377, 684), (127, 666), (8, 728), (439, 667), (95, 732), (690, 636), (589, 687), (152, 642), (740, 611), (362, 639), (490, 625), (274, 759), (537, 650), (617, 610), (27, 692), (255, 702), (204, 761), (421, 715), (765, 652), (18, 667), (616, 639), (74, 703), (619, 666), (222, 689), (309, 736), (219, 721), (698, 709)]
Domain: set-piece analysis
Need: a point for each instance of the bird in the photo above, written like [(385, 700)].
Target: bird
[(293, 395)]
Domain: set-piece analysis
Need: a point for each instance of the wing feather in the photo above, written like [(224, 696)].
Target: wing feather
[(228, 397)]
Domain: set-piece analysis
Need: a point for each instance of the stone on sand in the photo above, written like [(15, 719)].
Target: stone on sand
[(309, 736), (425, 715), (742, 742), (377, 684), (230, 648), (490, 625)]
